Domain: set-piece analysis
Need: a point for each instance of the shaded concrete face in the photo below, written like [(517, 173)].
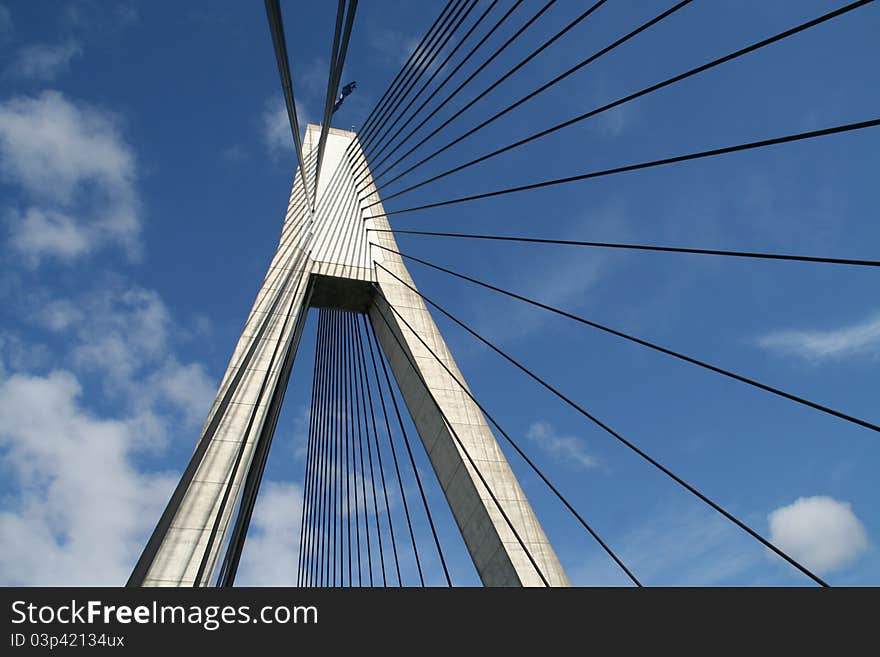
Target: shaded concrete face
[(341, 293), (328, 260)]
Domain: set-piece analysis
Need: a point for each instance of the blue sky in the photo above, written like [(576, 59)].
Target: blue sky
[(145, 164)]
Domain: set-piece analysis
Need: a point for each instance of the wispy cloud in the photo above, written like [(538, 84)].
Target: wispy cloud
[(567, 449), (276, 126), (562, 277), (609, 124), (311, 80), (675, 546), (7, 27), (43, 61), (235, 153), (391, 44), (94, 15), (861, 338)]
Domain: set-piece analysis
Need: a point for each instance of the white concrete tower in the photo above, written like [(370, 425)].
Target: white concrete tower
[(327, 260)]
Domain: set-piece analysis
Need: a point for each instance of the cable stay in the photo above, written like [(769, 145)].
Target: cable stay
[(337, 531), (396, 462), (458, 441), (309, 500), (801, 136), (645, 343), (638, 247), (359, 449), (452, 73), (478, 70), (367, 402), (378, 137), (412, 461), (343, 540), (145, 561), (596, 421), (556, 80), (337, 62), (273, 12), (660, 85), (383, 139), (413, 74), (394, 83)]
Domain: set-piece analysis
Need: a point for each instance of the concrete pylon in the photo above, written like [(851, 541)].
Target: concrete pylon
[(326, 259)]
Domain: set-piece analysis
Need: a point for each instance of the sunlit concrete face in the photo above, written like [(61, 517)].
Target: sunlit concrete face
[(328, 259)]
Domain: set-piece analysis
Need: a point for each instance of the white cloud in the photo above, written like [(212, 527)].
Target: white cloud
[(568, 449), (614, 122), (80, 497), (38, 232), (60, 314), (95, 15), (83, 509), (276, 127), (20, 354), (391, 44), (567, 279), (79, 503), (52, 147), (820, 532), (271, 552), (78, 172), (188, 388), (43, 61), (857, 339), (124, 334), (7, 27), (120, 332), (300, 431)]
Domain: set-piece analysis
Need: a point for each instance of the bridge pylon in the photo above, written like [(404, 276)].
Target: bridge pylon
[(330, 258)]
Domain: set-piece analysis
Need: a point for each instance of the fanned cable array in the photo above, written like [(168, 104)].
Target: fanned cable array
[(363, 490), (382, 169), (354, 455)]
